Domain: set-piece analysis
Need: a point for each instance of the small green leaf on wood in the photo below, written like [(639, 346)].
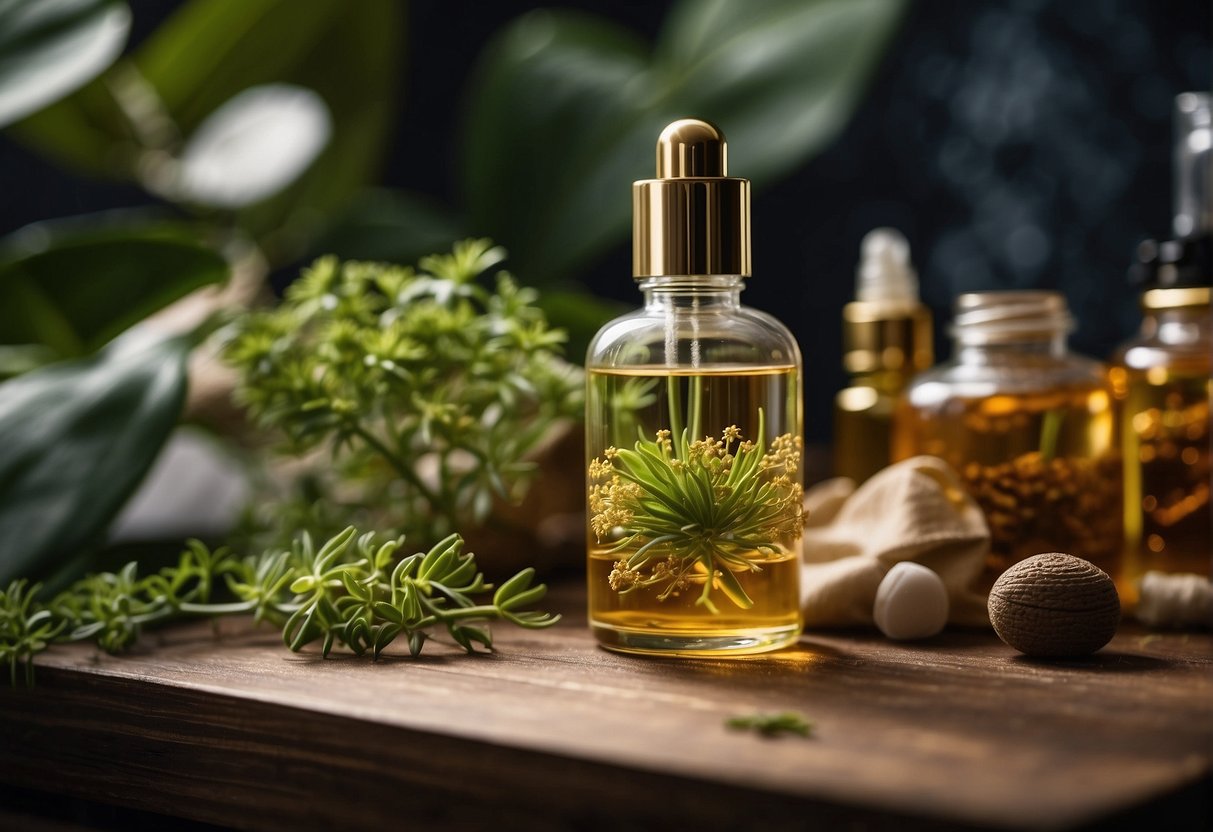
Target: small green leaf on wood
[(772, 725)]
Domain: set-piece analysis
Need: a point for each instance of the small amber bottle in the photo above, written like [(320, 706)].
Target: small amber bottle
[(1161, 377), (693, 429), (886, 336), (1162, 384), (1027, 425)]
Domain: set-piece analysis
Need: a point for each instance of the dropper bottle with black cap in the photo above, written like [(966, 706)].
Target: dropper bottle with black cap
[(693, 429), (1161, 378)]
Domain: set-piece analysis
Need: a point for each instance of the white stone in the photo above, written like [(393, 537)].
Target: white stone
[(911, 602)]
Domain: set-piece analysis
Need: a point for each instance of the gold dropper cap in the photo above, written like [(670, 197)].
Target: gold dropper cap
[(693, 219)]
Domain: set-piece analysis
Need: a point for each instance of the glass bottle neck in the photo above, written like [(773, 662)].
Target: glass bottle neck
[(1002, 327), (1181, 325), (692, 292), (1041, 345)]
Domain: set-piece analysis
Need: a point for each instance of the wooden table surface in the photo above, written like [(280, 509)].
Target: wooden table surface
[(551, 732)]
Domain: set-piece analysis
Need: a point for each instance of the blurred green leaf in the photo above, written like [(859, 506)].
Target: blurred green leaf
[(86, 131), (252, 147), (355, 70), (565, 110), (146, 107), (77, 437), (48, 48), (346, 53), (193, 63), (390, 226), (209, 50), (560, 120), (782, 76), (74, 284), (16, 359)]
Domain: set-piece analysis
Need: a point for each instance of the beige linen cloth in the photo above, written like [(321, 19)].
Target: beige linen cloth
[(913, 510)]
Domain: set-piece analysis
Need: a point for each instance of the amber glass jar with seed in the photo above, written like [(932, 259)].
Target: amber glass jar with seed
[(1029, 427), (1161, 380)]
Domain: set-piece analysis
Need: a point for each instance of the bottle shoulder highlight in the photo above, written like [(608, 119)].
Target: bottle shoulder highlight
[(740, 336)]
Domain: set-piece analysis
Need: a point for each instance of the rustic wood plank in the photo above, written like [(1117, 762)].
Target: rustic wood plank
[(555, 733)]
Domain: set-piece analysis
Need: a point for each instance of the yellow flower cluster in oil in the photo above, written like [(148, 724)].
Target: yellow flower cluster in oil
[(616, 501)]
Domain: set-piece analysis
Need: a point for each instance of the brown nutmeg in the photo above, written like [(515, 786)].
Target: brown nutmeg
[(1055, 605)]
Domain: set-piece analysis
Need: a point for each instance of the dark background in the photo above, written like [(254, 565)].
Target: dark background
[(1017, 144)]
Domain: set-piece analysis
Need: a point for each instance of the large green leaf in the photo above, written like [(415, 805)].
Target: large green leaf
[(208, 53), (48, 48), (785, 75), (252, 147), (202, 56), (561, 118), (75, 440), (565, 109), (74, 284), (347, 53)]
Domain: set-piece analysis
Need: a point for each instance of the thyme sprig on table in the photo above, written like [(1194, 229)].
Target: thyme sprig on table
[(692, 512), (352, 591)]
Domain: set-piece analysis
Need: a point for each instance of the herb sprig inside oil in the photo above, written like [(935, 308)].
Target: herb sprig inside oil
[(691, 513)]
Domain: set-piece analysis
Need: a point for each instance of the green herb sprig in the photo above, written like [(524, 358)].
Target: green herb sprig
[(429, 389), (692, 512), (772, 725), (352, 591)]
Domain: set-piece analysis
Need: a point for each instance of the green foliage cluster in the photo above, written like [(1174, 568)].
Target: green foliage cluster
[(353, 591), (561, 113), (429, 388)]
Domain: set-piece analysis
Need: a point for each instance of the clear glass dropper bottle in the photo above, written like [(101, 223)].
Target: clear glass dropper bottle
[(693, 429)]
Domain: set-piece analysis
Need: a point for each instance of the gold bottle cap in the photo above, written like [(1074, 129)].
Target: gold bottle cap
[(1175, 297), (693, 219), (886, 336)]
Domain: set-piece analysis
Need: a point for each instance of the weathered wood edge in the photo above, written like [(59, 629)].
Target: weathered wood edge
[(258, 766), (78, 742)]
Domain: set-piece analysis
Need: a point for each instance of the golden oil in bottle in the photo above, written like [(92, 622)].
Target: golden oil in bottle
[(1162, 385), (1161, 377), (667, 612), (1028, 426), (1042, 467), (693, 430)]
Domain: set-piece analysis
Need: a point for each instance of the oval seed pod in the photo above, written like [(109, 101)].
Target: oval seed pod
[(1055, 605)]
